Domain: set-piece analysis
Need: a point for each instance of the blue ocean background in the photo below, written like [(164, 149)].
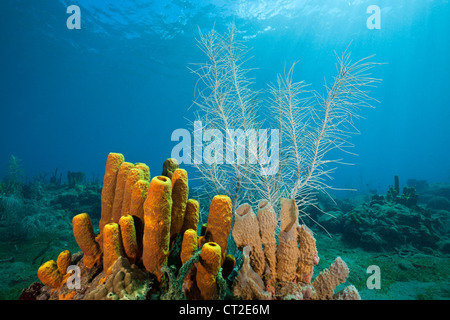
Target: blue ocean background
[(122, 84)]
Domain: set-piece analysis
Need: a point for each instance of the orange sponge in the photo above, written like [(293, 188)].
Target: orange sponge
[(180, 193), (134, 176), (218, 226), (189, 245), (122, 175), (190, 216), (113, 163), (50, 276), (85, 238), (112, 246), (53, 274), (138, 196), (157, 213), (63, 261), (128, 232), (208, 268), (145, 169)]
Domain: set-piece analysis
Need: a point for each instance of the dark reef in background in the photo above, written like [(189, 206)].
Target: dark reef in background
[(394, 221)]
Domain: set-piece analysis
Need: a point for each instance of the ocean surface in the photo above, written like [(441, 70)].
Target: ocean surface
[(122, 81)]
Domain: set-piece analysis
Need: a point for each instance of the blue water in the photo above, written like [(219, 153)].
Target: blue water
[(121, 82)]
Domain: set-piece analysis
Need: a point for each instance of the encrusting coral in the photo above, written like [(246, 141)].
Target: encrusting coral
[(147, 254), (126, 282)]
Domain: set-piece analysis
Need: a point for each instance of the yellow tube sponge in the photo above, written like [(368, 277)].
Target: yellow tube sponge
[(138, 196), (50, 276), (188, 245), (191, 216), (53, 274), (246, 232), (180, 193), (63, 261), (122, 175), (112, 243), (218, 226), (85, 238), (208, 268), (145, 170), (128, 233), (169, 166), (113, 163), (157, 214), (134, 176)]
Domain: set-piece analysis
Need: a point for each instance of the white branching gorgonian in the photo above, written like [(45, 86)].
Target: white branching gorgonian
[(309, 124)]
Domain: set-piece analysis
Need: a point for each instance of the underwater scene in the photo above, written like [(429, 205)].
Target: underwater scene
[(225, 150)]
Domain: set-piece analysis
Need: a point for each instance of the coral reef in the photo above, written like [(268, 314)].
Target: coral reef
[(121, 262), (392, 221)]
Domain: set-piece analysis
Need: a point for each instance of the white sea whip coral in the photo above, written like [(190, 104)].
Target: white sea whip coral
[(310, 124)]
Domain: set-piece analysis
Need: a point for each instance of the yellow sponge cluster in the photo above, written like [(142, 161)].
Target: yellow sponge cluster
[(141, 218), (53, 274)]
